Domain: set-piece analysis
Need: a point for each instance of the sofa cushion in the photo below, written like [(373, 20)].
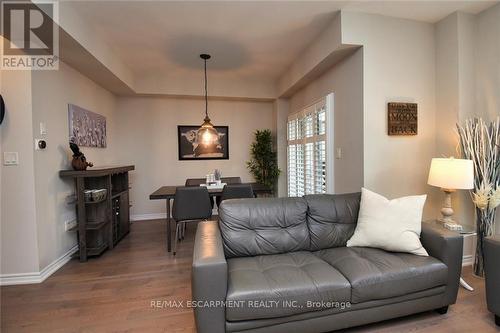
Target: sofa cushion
[(251, 227), (391, 225), (377, 274), (331, 218), (281, 285)]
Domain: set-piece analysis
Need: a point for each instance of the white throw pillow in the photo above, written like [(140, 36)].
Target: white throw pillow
[(391, 225)]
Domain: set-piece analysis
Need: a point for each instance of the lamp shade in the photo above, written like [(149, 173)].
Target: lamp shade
[(451, 173)]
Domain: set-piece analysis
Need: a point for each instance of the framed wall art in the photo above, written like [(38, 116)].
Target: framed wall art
[(402, 119), (86, 128), (191, 146)]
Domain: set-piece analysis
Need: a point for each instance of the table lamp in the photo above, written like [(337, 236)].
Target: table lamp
[(451, 174)]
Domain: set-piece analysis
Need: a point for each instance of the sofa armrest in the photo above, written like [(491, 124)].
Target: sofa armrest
[(447, 246), (492, 273), (209, 279)]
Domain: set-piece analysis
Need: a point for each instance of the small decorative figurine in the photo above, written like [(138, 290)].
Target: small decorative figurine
[(79, 161)]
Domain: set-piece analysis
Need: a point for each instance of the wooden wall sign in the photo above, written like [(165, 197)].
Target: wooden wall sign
[(402, 119)]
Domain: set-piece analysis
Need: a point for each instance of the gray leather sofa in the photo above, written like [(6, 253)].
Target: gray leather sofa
[(492, 275), (281, 265)]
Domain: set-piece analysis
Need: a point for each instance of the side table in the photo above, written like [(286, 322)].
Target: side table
[(467, 231)]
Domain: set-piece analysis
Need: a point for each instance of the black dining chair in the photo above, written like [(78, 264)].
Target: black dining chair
[(195, 181), (190, 204), (227, 181), (198, 182), (237, 191), (231, 180)]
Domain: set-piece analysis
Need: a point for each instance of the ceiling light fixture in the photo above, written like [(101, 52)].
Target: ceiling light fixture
[(207, 135)]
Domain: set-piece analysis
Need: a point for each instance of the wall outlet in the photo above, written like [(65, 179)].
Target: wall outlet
[(70, 199), (338, 153), (70, 225)]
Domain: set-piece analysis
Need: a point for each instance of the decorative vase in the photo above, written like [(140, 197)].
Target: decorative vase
[(480, 142), (485, 222), (79, 163)]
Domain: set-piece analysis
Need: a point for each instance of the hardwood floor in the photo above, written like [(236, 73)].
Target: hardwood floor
[(113, 293)]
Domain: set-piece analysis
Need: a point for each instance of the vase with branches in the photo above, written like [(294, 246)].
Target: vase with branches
[(264, 161), (480, 142)]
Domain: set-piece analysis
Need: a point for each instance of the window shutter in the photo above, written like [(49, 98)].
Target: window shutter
[(307, 151)]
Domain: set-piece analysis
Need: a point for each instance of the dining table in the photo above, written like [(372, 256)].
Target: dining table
[(167, 193)]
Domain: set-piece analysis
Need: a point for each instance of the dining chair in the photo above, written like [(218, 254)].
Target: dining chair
[(198, 182), (231, 180), (191, 203), (237, 191), (227, 181), (195, 181)]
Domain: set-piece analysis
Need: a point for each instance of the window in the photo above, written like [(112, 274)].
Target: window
[(307, 161)]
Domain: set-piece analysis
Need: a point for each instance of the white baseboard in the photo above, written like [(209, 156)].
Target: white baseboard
[(37, 277), (157, 216), (144, 217), (467, 260)]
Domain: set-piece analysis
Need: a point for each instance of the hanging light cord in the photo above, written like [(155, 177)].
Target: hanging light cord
[(206, 90)]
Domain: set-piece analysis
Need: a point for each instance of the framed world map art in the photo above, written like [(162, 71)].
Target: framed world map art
[(191, 146)]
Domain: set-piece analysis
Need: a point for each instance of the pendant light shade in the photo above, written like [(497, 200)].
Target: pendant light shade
[(206, 135)]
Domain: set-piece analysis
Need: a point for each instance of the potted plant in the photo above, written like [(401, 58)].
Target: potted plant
[(264, 162), (480, 142)]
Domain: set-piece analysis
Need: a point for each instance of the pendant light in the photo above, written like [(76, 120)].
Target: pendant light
[(206, 134)]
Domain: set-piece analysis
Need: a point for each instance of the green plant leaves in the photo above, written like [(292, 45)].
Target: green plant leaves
[(264, 162)]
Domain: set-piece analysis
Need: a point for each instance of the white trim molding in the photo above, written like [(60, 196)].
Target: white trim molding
[(158, 216), (467, 260), (37, 277), (145, 217)]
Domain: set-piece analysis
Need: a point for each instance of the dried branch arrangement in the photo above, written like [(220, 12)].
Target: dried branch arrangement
[(480, 142)]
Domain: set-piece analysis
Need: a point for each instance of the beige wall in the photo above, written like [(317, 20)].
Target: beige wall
[(345, 80), (398, 65), (148, 139), (467, 83), (450, 72), (455, 92), (18, 229), (487, 67), (52, 92), (281, 110), (313, 56), (487, 63), (447, 85)]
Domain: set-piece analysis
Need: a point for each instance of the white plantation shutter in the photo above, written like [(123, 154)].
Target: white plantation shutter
[(307, 150)]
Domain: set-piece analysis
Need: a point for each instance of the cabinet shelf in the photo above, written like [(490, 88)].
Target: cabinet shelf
[(101, 224), (96, 202), (117, 194), (95, 251), (96, 225)]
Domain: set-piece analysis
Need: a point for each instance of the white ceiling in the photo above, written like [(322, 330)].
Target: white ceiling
[(248, 40)]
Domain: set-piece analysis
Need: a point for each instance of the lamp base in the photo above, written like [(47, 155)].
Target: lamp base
[(447, 212)]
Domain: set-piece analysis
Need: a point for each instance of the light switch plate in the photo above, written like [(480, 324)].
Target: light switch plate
[(43, 128), (338, 153), (11, 158)]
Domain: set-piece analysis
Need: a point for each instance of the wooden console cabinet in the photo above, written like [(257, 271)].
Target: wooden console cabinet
[(101, 224)]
